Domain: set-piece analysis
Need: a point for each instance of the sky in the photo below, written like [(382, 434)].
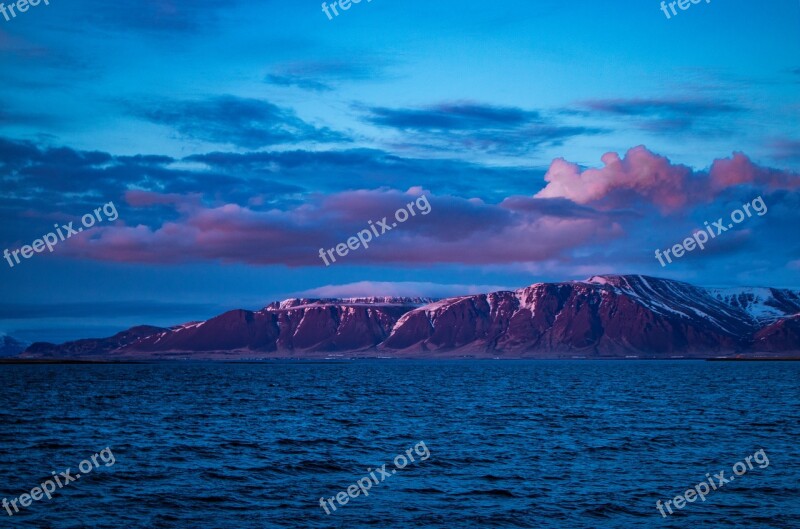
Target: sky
[(233, 140)]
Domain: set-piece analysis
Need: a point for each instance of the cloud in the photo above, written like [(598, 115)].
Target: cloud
[(42, 182), (230, 120), (328, 171), (399, 289), (786, 150), (456, 126), (143, 199), (322, 76), (159, 16), (456, 230), (644, 176), (453, 117), (39, 183), (21, 118), (664, 115), (557, 207), (739, 170), (280, 208)]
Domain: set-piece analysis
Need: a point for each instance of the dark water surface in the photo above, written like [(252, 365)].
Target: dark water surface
[(512, 444)]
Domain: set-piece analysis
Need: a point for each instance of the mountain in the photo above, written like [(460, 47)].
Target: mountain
[(764, 305), (610, 316), (89, 348), (292, 328), (10, 346), (774, 337)]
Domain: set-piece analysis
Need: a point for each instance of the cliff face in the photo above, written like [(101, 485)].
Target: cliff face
[(291, 328), (778, 337), (603, 317)]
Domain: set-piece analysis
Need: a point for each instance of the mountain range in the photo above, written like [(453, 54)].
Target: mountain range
[(10, 346), (609, 316)]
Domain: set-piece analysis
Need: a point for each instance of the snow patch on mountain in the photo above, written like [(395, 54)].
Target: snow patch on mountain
[(763, 305)]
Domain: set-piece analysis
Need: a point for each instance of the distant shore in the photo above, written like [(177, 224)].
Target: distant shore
[(32, 361)]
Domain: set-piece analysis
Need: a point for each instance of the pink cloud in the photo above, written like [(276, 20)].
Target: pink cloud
[(640, 173), (456, 230), (643, 175), (729, 172), (575, 217)]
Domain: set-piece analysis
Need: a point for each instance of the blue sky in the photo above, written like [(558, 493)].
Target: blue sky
[(236, 138)]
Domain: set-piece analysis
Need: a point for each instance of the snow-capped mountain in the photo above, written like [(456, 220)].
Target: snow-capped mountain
[(610, 316), (603, 316), (764, 305)]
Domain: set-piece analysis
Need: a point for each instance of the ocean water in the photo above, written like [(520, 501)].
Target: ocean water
[(510, 444)]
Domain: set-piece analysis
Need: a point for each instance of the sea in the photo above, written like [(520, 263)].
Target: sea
[(517, 444)]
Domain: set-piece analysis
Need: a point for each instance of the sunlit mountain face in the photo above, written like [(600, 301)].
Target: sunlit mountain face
[(603, 317)]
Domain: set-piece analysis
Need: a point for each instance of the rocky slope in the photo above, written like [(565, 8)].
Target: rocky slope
[(614, 316), (89, 348), (292, 328), (602, 317)]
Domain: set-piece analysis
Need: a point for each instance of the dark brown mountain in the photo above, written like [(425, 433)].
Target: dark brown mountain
[(295, 328), (603, 317), (775, 337), (89, 348)]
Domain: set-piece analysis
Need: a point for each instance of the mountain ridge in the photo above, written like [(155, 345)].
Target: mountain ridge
[(606, 316), (10, 346)]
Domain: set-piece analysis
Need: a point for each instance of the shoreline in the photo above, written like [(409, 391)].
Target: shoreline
[(31, 361)]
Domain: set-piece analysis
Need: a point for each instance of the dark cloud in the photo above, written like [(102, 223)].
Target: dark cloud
[(786, 150), (229, 120), (145, 159), (8, 117), (664, 115), (331, 171), (497, 129), (158, 16), (564, 208), (41, 184), (322, 76), (661, 107), (453, 117), (46, 179)]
